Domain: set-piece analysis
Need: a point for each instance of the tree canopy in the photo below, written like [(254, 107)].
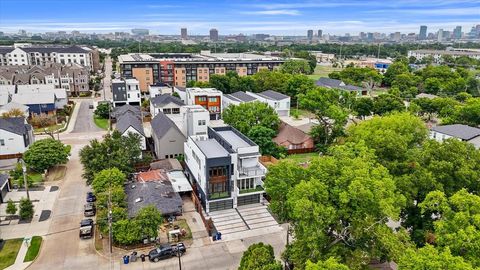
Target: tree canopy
[(245, 116), (46, 153), (259, 256)]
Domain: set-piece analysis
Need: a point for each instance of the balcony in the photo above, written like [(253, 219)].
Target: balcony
[(217, 179), (256, 171), (218, 195)]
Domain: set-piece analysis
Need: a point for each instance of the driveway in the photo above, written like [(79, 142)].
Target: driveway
[(84, 122)]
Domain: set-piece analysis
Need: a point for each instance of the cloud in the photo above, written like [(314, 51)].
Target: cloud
[(432, 12), (290, 12)]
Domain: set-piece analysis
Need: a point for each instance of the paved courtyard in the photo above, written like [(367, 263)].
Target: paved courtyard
[(246, 221)]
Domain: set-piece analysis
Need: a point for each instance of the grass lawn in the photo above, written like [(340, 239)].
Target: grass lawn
[(33, 249), (9, 252), (182, 223), (49, 128), (301, 158), (98, 240), (100, 122), (322, 71)]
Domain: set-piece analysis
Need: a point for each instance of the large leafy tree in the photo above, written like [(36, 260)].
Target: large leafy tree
[(247, 115), (263, 136), (457, 222), (103, 110), (294, 66), (390, 136), (126, 232), (363, 106), (259, 256), (46, 153), (106, 179), (122, 152), (271, 80), (329, 264), (429, 257), (326, 105), (468, 114), (395, 69), (387, 103), (339, 208), (149, 218)]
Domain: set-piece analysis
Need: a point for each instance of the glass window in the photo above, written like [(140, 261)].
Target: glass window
[(2, 142)]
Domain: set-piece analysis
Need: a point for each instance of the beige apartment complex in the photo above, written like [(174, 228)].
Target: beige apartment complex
[(177, 69)]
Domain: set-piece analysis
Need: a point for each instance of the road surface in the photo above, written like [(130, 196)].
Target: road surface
[(84, 122)]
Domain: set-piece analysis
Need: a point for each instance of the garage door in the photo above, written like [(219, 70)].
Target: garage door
[(249, 199), (220, 205)]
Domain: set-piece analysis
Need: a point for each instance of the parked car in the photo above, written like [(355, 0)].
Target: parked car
[(91, 197), (89, 210), (166, 251), (86, 228)]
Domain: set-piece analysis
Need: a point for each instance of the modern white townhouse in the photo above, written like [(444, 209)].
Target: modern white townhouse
[(279, 102), (209, 98), (15, 137), (224, 167), (126, 91)]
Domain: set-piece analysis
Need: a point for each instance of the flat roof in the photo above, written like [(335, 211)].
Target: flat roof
[(211, 148), (195, 57), (233, 139)]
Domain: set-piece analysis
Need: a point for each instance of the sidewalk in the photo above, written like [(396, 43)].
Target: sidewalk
[(19, 264), (71, 123)]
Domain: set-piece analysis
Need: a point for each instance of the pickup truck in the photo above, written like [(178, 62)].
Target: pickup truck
[(166, 251), (86, 228), (89, 210)]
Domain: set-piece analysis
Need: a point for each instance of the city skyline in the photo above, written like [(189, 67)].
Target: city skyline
[(233, 17)]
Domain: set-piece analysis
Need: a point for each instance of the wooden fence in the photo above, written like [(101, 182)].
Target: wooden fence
[(301, 150), (198, 206)]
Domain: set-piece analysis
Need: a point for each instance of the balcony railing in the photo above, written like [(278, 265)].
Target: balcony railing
[(251, 171), (250, 190)]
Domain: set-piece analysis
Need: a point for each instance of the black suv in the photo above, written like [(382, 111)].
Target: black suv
[(166, 251)]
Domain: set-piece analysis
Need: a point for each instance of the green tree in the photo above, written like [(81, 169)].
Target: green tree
[(46, 153), (259, 257), (271, 80), (221, 83), (386, 103), (294, 66), (26, 209), (468, 114), (329, 264), (298, 84), (118, 151), (11, 207), (393, 71), (126, 232), (342, 205), (263, 136), (108, 178), (148, 219), (247, 115), (332, 117), (458, 225), (103, 110), (431, 258), (363, 107)]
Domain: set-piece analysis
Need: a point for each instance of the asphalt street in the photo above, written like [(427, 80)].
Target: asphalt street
[(84, 122)]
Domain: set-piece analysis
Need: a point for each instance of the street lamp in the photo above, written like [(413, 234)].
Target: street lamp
[(24, 170)]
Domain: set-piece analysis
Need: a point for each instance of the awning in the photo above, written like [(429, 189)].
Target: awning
[(179, 181)]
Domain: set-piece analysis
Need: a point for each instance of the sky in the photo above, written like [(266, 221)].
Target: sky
[(277, 17)]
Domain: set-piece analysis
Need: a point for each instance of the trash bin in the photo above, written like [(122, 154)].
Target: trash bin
[(126, 259), (133, 257), (142, 257), (219, 236)]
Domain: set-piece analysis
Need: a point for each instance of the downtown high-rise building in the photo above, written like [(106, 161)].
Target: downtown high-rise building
[(214, 34), (319, 33), (310, 34), (457, 32), (183, 33), (440, 35), (423, 32)]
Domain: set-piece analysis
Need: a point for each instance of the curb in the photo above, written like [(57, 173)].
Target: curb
[(38, 254)]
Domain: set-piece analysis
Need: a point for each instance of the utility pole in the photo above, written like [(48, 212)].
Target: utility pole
[(179, 261), (378, 53), (25, 183)]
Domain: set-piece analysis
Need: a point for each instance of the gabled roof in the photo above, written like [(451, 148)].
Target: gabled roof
[(118, 111), (327, 82), (164, 99), (290, 134), (270, 94), (127, 120), (13, 105), (241, 97), (5, 50), (14, 125), (161, 124), (463, 132)]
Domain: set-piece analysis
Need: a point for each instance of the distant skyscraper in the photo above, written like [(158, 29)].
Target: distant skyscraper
[(320, 33), (457, 32), (183, 33), (440, 35), (213, 34), (423, 32), (397, 36), (310, 34)]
